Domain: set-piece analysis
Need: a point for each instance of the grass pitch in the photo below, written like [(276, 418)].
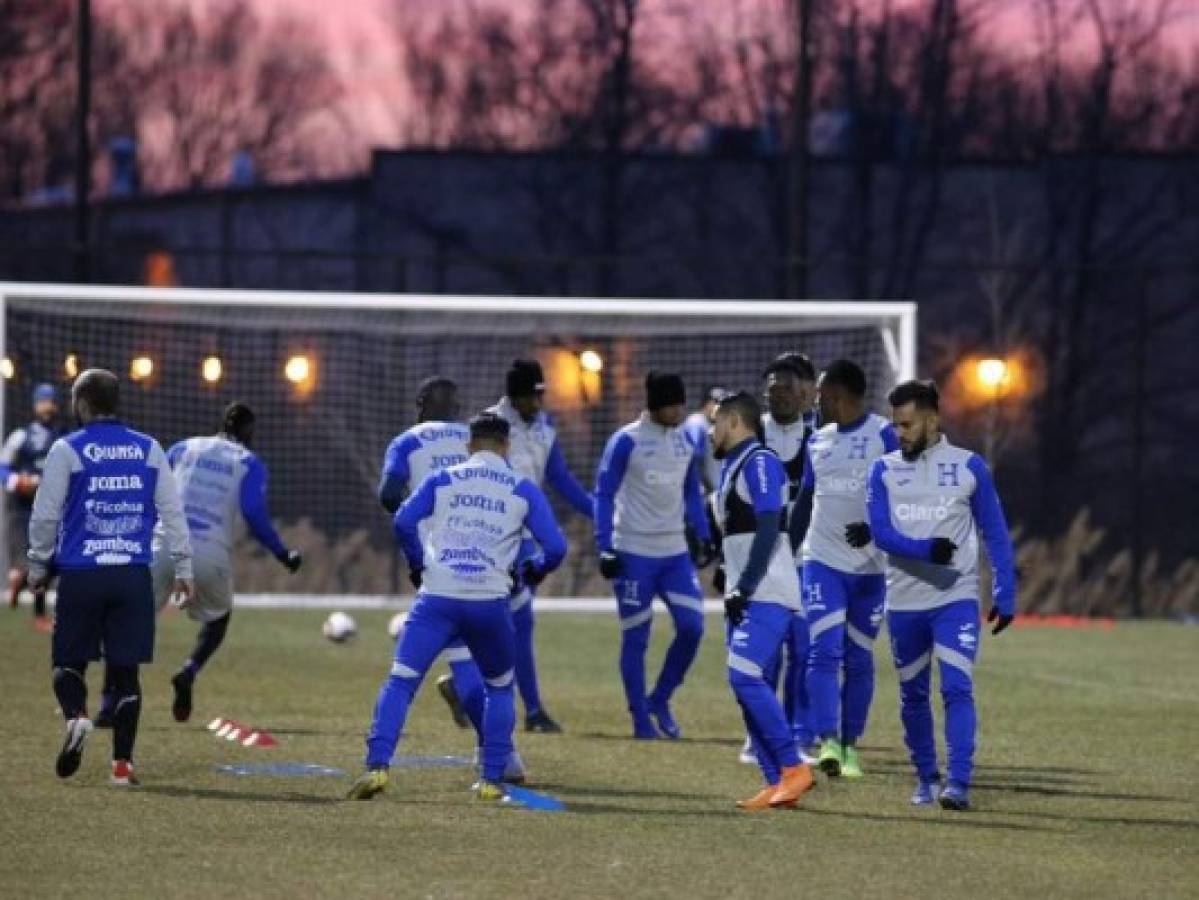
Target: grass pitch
[(1087, 783)]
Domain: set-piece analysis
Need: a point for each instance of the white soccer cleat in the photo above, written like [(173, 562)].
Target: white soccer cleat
[(748, 757)]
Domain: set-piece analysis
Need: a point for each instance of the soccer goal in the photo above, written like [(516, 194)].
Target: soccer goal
[(332, 378)]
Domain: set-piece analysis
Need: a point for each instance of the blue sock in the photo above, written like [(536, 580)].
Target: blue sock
[(526, 661), (633, 645), (689, 632), (499, 719), (391, 711), (468, 685)]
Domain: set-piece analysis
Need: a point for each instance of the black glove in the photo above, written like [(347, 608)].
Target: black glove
[(704, 553), (941, 552), (531, 574), (719, 579), (857, 535), (291, 560), (735, 604), (609, 564), (415, 576), (1001, 620)]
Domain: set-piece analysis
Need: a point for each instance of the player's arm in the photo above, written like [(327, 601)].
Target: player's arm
[(886, 536), (23, 484), (766, 481), (47, 509), (693, 502), (613, 465), (988, 515), (411, 513), (559, 475), (396, 473), (252, 500), (175, 454), (176, 538), (539, 519), (801, 509)]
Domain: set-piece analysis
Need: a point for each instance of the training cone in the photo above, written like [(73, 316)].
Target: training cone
[(262, 739)]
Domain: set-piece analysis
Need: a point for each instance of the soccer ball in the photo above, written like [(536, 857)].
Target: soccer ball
[(339, 627), (396, 625)]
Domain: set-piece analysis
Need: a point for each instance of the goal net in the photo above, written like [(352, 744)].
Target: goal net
[(332, 377)]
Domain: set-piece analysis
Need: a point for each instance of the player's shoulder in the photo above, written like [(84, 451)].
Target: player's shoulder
[(877, 424), (947, 451), (890, 460)]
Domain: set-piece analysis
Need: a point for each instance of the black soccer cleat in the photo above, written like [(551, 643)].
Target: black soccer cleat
[(541, 723), (445, 687), (71, 754), (181, 708)]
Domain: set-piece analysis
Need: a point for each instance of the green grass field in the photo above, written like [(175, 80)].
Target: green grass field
[(1087, 782)]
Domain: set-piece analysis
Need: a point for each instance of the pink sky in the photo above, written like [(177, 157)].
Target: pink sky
[(358, 34)]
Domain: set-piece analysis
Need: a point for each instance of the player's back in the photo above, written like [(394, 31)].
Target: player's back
[(474, 531), (431, 447), (209, 472)]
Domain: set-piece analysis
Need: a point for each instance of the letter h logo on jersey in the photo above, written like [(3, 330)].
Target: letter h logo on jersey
[(857, 447), (947, 475)]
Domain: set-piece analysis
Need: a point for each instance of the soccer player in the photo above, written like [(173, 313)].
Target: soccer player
[(22, 459), (697, 425), (790, 391), (103, 487), (764, 598), (843, 584), (535, 454), (436, 442), (646, 490), (925, 503), (477, 512), (222, 484)]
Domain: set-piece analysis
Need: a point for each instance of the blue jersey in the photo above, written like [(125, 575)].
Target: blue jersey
[(424, 448), (647, 488), (946, 492), (103, 489), (476, 514)]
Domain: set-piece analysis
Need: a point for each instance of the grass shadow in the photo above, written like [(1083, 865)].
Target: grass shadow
[(957, 820), (592, 791), (1042, 791)]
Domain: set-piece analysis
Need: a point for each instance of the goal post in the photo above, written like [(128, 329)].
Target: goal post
[(332, 378)]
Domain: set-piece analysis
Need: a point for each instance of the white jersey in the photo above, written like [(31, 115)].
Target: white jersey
[(529, 443), (787, 442), (837, 472)]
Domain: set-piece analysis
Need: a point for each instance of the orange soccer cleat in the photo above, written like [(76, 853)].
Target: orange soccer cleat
[(759, 801), (796, 781)]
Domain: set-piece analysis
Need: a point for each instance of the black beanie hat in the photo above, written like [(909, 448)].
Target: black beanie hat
[(524, 378), (663, 389)]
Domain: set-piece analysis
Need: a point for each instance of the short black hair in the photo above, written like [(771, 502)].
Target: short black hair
[(744, 406), (432, 384), (923, 393), (487, 426), (798, 364), (847, 374), (101, 389), (236, 419), (524, 379)]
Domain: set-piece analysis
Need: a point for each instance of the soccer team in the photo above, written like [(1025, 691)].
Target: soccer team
[(821, 518)]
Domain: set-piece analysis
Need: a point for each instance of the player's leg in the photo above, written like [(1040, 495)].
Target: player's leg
[(752, 645), (75, 642), (678, 585), (634, 589), (462, 689), (488, 631), (912, 650), (430, 627), (796, 703), (524, 626), (825, 598), (212, 607), (955, 630), (128, 643), (864, 617)]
